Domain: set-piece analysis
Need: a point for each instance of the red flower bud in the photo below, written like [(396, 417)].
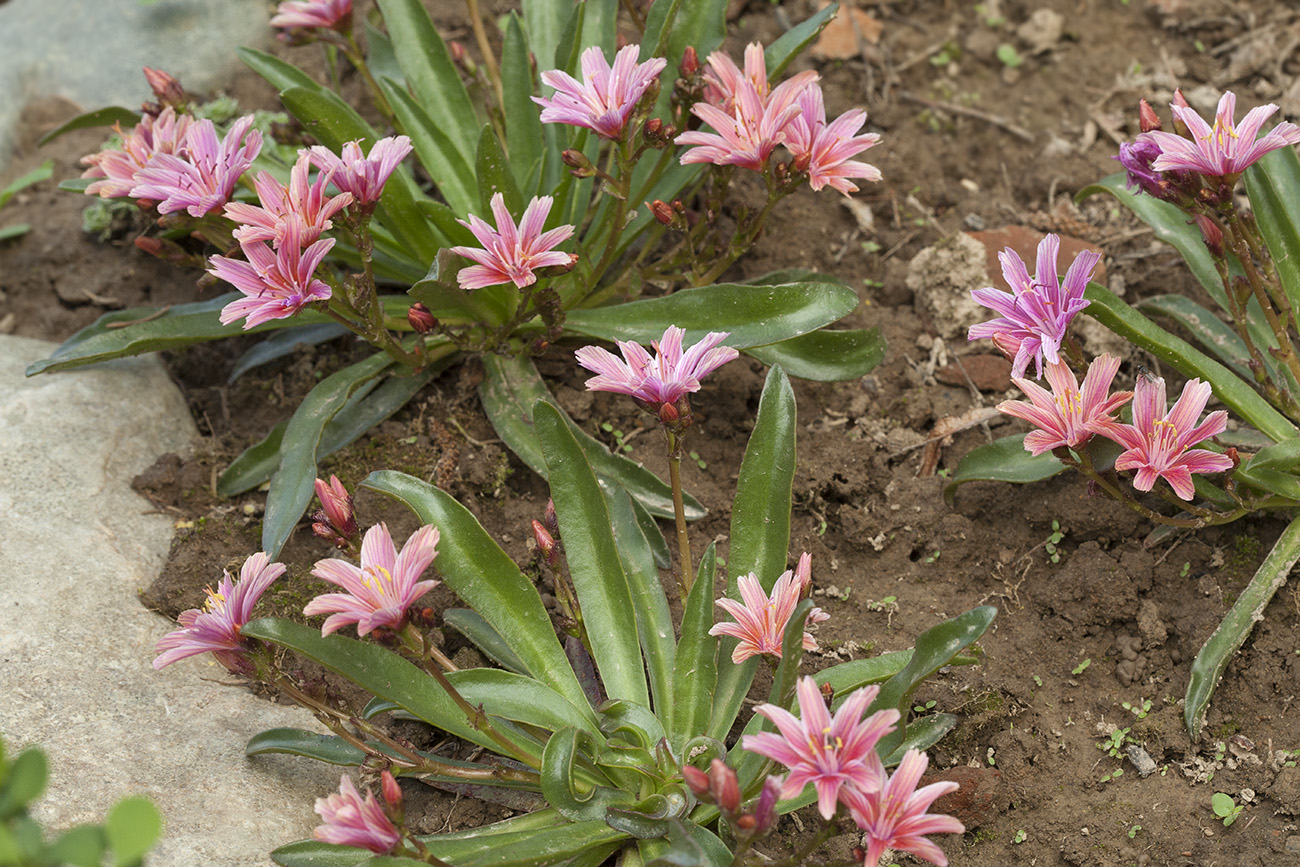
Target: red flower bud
[(1148, 120), (392, 791), (166, 88), (690, 62), (549, 519), (336, 503), (765, 809), (421, 318), (663, 212), (1212, 234), (698, 782), (1179, 126), (668, 413), (152, 246), (546, 544), (577, 160), (724, 786)]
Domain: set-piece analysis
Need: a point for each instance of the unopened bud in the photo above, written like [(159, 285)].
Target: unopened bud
[(668, 413), (690, 62), (654, 127), (663, 212), (421, 318), (578, 162), (1232, 455), (828, 692), (1212, 234), (746, 822), (461, 58), (166, 88), (698, 782), (1148, 120), (546, 544), (152, 246), (724, 786), (392, 791), (765, 808), (1179, 126), (550, 520), (336, 504)]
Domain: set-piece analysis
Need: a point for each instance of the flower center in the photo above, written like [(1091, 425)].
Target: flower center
[(377, 578), (216, 603)]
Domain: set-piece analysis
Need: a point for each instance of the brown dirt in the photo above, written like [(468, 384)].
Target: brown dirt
[(1112, 622)]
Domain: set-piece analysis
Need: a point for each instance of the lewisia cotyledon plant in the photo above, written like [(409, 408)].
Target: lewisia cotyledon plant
[(276, 283), (605, 98), (350, 820), (380, 591), (1224, 149), (513, 254), (896, 817), (662, 380), (201, 176), (302, 202), (760, 619), (1065, 416), (113, 172), (362, 176)]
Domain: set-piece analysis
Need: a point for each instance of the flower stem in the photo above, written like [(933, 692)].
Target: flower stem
[(685, 565), (485, 48)]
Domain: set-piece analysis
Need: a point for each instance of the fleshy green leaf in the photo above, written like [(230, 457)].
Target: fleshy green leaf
[(294, 482), (760, 528), (922, 734), (132, 827), (825, 356), (545, 21), (471, 624), (1215, 654), (696, 670), (99, 117), (43, 172), (790, 44), (1279, 456), (255, 464), (284, 343), (562, 789), (79, 846), (1212, 332), (445, 299), (754, 315), (592, 557), (1273, 184), (278, 73), (495, 176), (331, 749), (687, 845), (451, 172), (524, 135), (482, 575), (848, 677), (1003, 460), (509, 391), (28, 775)]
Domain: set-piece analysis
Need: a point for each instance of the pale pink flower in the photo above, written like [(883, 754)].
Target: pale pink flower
[(302, 202), (351, 820), (834, 755), (824, 150), (1159, 444), (662, 380), (383, 588), (724, 78), (747, 135), (329, 14), (1037, 313), (511, 254), (605, 98), (276, 283), (760, 619), (200, 177), (216, 627), (1222, 149), (1063, 415), (163, 134), (363, 177), (895, 817)]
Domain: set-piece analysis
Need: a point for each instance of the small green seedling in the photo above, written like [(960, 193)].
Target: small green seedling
[(1038, 681), (1052, 545), (618, 435), (933, 557), (1133, 832), (695, 456), (1081, 667), (1187, 567), (1225, 808), (1113, 775), (888, 603), (1020, 837), (924, 708), (1009, 57), (1139, 711)]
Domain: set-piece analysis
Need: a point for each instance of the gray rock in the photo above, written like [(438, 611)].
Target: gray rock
[(92, 51), (75, 649), (942, 277)]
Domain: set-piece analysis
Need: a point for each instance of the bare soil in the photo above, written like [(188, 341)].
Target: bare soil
[(970, 143)]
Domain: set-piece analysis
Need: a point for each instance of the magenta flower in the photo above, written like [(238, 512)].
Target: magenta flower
[(824, 150), (383, 588), (760, 619), (363, 177), (895, 817), (748, 134), (302, 202), (117, 169), (511, 254), (605, 98), (200, 177), (1036, 316), (724, 79), (1064, 415), (662, 380), (832, 754), (276, 283), (216, 627), (352, 821), (1222, 149), (329, 14), (1159, 444)]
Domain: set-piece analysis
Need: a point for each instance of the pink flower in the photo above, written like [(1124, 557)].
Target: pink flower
[(383, 588), (510, 254), (277, 283), (1063, 416), (200, 177), (1159, 444), (749, 133), (662, 380), (824, 151), (895, 817), (363, 177), (163, 134), (351, 821), (605, 98), (832, 754), (1036, 316), (302, 202), (760, 620), (1224, 149), (216, 627), (329, 14), (724, 79)]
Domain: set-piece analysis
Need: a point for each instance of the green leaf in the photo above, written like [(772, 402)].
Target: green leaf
[(1273, 184), (849, 677), (1215, 654), (701, 23), (17, 230), (1235, 394), (430, 71), (791, 44), (509, 391), (445, 299), (80, 846), (593, 559), (284, 343), (294, 482), (1211, 332), (99, 117), (495, 176), (696, 669), (482, 575), (934, 649), (382, 60), (654, 536), (560, 787), (754, 315), (450, 171), (659, 22), (279, 74), (1003, 460), (1274, 481), (471, 624), (1279, 456), (687, 845), (331, 749), (132, 827), (43, 172), (760, 528), (524, 136), (825, 356), (255, 464), (27, 777), (922, 734), (544, 22)]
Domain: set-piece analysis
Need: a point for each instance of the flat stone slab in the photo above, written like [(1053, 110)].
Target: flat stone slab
[(76, 646)]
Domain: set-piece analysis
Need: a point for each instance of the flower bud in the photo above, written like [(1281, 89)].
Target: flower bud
[(765, 808), (1212, 235), (668, 413), (166, 88), (1233, 456), (698, 782), (336, 504), (421, 318), (690, 62), (828, 692), (663, 212), (152, 246), (546, 544), (724, 786), (1179, 126), (550, 520), (1148, 120), (392, 791), (578, 162)]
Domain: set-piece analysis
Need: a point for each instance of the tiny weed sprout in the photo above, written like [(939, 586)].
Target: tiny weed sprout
[(1225, 808), (1081, 667), (1021, 836), (1176, 466), (1133, 831)]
